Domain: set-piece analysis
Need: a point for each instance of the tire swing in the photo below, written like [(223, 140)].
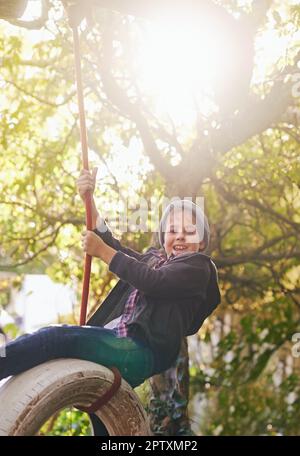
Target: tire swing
[(29, 399)]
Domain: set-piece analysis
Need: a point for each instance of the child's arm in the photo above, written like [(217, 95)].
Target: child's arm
[(178, 279), (104, 232), (183, 277), (86, 182)]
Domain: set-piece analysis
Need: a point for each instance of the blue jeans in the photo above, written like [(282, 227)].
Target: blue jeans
[(134, 360)]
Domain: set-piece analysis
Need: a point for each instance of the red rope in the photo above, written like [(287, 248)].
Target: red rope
[(73, 20), (106, 396), (85, 161)]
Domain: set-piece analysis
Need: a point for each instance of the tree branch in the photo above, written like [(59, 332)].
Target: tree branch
[(256, 117), (166, 9), (37, 23), (39, 99), (36, 254), (252, 258), (118, 97)]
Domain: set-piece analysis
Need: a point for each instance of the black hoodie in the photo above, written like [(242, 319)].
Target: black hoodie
[(173, 302)]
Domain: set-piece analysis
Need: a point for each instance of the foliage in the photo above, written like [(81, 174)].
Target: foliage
[(254, 409), (67, 422), (251, 197), (250, 385)]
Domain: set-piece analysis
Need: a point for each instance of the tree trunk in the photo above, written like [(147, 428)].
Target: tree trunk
[(12, 9), (170, 396)]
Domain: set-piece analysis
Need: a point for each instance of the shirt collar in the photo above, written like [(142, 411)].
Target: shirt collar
[(163, 256), (171, 256)]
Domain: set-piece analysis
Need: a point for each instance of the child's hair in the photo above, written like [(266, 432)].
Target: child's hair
[(201, 220)]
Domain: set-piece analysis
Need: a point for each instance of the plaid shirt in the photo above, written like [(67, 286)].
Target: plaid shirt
[(130, 304)]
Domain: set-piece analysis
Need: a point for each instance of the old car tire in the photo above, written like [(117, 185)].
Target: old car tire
[(29, 399)]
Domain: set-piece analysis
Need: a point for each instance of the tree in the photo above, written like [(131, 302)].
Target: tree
[(226, 156)]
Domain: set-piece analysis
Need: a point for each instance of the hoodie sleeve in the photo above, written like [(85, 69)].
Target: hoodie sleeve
[(177, 279), (105, 234)]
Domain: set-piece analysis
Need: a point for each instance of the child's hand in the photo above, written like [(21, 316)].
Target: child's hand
[(86, 182), (92, 244)]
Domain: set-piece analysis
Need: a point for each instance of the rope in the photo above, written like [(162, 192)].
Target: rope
[(102, 400), (85, 160), (74, 22), (88, 198)]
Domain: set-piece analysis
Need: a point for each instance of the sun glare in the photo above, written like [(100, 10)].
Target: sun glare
[(178, 65), (32, 11)]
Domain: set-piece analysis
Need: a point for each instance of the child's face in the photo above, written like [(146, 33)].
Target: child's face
[(181, 235)]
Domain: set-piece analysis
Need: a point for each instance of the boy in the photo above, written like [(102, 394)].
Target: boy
[(157, 306), (162, 296)]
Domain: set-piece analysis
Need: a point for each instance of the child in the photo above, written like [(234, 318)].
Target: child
[(162, 296)]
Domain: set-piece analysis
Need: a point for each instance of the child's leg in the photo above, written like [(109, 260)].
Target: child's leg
[(97, 344)]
